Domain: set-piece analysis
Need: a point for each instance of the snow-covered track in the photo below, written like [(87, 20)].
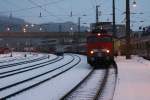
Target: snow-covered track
[(110, 85), (22, 62), (8, 60), (19, 87), (28, 68), (14, 58), (91, 87)]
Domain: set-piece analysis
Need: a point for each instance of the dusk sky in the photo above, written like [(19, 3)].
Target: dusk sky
[(59, 10)]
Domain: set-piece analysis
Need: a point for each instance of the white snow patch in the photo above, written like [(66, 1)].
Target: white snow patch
[(133, 79)]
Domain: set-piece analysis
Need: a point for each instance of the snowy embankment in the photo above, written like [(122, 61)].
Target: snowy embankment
[(133, 79)]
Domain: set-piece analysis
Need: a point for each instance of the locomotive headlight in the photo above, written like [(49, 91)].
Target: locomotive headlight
[(91, 51), (99, 34), (107, 51)]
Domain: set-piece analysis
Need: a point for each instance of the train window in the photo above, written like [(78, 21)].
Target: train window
[(99, 31), (93, 39)]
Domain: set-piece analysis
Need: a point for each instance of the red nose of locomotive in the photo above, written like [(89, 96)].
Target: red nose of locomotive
[(99, 48)]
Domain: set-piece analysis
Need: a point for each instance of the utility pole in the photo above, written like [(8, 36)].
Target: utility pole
[(60, 28), (97, 13), (114, 25), (114, 20), (128, 47), (77, 34), (79, 18)]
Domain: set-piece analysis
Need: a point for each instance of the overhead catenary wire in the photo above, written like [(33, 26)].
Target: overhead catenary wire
[(50, 13), (33, 7), (11, 3), (41, 6)]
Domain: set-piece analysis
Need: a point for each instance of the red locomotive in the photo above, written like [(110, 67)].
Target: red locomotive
[(99, 48)]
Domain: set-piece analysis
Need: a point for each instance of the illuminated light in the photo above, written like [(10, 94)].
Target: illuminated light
[(101, 27), (8, 29), (134, 4), (32, 25), (40, 29), (24, 30), (92, 52), (71, 28), (107, 51), (99, 34), (26, 25)]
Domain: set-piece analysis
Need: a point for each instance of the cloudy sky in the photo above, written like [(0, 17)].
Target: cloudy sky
[(60, 10)]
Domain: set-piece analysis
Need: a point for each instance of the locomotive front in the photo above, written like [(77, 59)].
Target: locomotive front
[(99, 48)]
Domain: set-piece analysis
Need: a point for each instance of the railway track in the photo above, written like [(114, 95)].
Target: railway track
[(11, 59), (26, 84), (28, 67), (91, 87), (22, 62)]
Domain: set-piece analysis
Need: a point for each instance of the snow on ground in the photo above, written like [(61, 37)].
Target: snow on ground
[(57, 87), (133, 79), (7, 58), (26, 65), (18, 57), (24, 75), (29, 74)]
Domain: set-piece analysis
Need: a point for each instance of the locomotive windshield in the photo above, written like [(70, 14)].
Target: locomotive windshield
[(93, 39), (99, 31)]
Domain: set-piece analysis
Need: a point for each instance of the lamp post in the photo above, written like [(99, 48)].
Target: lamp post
[(79, 22), (114, 25), (114, 19), (128, 50)]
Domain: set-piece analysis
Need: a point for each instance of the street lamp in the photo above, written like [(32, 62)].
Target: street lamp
[(134, 4), (79, 22)]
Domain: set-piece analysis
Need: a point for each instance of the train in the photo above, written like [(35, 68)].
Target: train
[(4, 50), (99, 48)]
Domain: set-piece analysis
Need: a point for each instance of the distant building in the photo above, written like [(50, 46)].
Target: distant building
[(46, 41)]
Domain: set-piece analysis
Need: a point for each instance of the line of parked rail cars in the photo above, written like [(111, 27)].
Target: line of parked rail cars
[(4, 50)]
